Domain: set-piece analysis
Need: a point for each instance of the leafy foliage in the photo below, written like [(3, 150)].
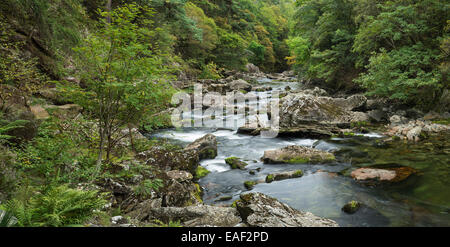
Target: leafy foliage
[(399, 46), (55, 206), (124, 74)]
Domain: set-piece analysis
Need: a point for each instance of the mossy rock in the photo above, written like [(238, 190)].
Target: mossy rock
[(269, 178), (351, 207), (235, 163), (201, 172), (250, 184)]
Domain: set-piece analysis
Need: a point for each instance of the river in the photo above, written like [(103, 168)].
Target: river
[(421, 200)]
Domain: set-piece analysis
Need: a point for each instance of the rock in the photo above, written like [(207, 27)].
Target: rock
[(376, 115), (414, 134), (299, 108), (201, 215), (167, 160), (240, 85), (382, 173), (39, 112), (68, 111), (397, 120), (297, 154), (224, 198), (54, 96), (316, 92), (205, 147), (259, 210), (117, 220), (141, 210), (250, 184), (372, 174), (251, 68), (235, 163), (351, 207), (181, 194), (179, 176), (283, 175), (416, 130)]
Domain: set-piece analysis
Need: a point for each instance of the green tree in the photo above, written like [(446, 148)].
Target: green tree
[(124, 74)]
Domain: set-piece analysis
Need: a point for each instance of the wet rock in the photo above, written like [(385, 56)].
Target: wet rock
[(250, 184), (283, 175), (351, 207), (297, 154), (259, 210), (205, 147), (224, 198), (235, 163), (201, 215), (382, 173)]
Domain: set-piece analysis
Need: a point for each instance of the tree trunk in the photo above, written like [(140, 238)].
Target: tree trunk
[(131, 137), (100, 152), (108, 8)]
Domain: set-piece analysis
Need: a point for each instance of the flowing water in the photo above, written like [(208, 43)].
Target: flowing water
[(421, 200)]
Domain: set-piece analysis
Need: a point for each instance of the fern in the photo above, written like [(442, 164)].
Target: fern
[(56, 206)]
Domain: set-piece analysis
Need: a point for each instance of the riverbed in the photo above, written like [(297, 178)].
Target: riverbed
[(421, 200)]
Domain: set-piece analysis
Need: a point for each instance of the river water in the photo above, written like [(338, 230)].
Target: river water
[(421, 200)]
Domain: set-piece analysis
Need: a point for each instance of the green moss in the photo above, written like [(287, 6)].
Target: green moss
[(269, 178), (298, 173), (198, 194), (235, 163), (445, 121), (359, 124), (298, 160), (234, 204), (250, 184), (201, 172)]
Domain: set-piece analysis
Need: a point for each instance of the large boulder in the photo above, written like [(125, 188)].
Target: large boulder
[(200, 215), (259, 210), (297, 154), (166, 160), (205, 147), (181, 193), (301, 108)]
